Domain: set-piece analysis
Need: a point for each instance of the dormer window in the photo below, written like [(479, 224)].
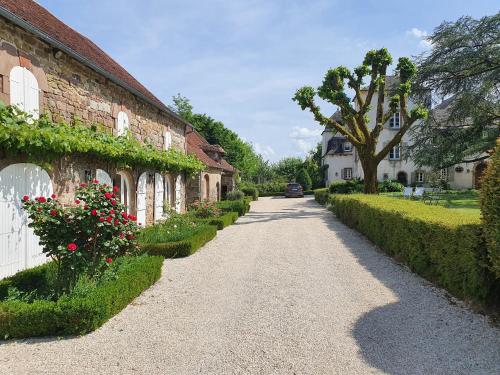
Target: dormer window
[(395, 121), (167, 140), (122, 124), (347, 147)]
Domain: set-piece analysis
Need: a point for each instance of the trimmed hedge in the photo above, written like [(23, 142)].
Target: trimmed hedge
[(490, 209), (241, 207), (282, 193), (439, 244), (321, 195), (184, 247), (75, 314), (251, 192), (222, 221)]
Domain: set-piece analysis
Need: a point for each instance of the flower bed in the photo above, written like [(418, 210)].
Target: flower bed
[(84, 309), (438, 243)]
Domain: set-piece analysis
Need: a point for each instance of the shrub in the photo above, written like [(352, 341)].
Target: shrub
[(389, 186), (490, 209), (321, 195), (204, 209), (241, 207), (251, 192), (182, 248), (86, 237), (439, 244), (177, 227), (304, 179), (271, 187), (86, 308), (223, 221), (235, 195), (346, 187)]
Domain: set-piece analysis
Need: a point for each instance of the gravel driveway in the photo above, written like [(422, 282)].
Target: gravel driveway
[(287, 290)]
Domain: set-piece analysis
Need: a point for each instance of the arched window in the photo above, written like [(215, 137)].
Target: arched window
[(24, 91), (167, 140), (103, 177), (122, 123)]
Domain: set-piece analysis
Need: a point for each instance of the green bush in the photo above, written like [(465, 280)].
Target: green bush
[(222, 221), (490, 209), (176, 228), (235, 195), (321, 195), (84, 309), (304, 179), (282, 193), (389, 186), (184, 247), (241, 207), (442, 245), (251, 192), (346, 187)]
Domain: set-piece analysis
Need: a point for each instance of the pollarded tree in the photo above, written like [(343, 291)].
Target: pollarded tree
[(355, 122)]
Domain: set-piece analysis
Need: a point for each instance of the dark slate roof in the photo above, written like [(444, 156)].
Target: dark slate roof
[(51, 28)]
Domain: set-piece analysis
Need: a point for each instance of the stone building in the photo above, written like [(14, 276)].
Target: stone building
[(217, 179), (46, 67), (341, 161)]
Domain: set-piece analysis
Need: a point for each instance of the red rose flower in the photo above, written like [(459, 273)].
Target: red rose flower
[(86, 207), (95, 181), (53, 196), (53, 213), (113, 195), (109, 260), (72, 246), (39, 209), (111, 212), (109, 219), (105, 185), (132, 217), (124, 215), (42, 200), (93, 212), (101, 219), (77, 201), (122, 235), (117, 221), (107, 195), (26, 198), (83, 185), (116, 189), (113, 202), (130, 237)]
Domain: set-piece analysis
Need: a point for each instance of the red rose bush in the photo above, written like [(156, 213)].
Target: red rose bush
[(82, 239)]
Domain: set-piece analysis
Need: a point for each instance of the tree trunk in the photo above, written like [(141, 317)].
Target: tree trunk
[(370, 176)]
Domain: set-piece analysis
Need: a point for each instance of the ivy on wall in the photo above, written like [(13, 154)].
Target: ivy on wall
[(44, 140)]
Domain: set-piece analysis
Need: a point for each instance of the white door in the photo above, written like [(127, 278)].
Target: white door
[(103, 177), (178, 194), (24, 91), (141, 199), (19, 246), (125, 191), (159, 196)]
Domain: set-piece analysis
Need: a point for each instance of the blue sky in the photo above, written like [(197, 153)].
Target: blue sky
[(240, 61)]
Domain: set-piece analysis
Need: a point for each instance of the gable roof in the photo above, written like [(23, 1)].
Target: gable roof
[(32, 17), (197, 145)]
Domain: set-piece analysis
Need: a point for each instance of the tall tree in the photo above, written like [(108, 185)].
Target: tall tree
[(355, 122), (239, 153), (463, 69), (287, 168)]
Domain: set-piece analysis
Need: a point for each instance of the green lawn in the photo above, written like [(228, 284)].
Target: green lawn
[(460, 200)]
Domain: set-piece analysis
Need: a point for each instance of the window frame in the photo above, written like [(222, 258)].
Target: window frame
[(395, 152), (395, 119), (420, 177), (122, 132), (345, 177), (347, 147)]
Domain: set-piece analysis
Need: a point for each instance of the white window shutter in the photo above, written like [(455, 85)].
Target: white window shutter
[(122, 123), (167, 140), (17, 87), (31, 94)]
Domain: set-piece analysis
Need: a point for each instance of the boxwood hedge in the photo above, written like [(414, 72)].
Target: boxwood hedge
[(182, 248), (76, 313), (321, 195), (241, 206), (223, 221), (442, 245)]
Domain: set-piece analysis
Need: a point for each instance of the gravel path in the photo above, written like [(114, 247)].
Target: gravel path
[(288, 290)]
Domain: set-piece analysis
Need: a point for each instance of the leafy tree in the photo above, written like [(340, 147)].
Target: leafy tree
[(314, 167), (354, 124), (463, 67), (304, 179), (239, 153), (287, 168)]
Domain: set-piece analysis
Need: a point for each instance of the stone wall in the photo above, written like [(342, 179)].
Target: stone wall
[(68, 89)]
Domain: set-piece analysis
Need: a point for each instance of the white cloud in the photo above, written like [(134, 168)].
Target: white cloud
[(303, 145), (265, 150), (420, 34), (304, 133)]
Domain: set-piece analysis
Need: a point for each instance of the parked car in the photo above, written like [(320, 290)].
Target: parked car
[(294, 190)]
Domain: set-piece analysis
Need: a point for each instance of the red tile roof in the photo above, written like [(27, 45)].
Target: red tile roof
[(196, 145), (46, 23)]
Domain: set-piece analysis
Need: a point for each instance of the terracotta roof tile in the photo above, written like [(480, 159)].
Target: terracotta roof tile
[(42, 20)]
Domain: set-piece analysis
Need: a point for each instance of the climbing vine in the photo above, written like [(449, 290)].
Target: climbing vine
[(45, 140)]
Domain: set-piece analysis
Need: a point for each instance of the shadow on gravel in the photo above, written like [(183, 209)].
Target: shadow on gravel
[(422, 333)]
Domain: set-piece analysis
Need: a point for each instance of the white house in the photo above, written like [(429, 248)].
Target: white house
[(341, 161)]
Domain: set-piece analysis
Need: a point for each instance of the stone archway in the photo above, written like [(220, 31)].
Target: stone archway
[(402, 178)]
